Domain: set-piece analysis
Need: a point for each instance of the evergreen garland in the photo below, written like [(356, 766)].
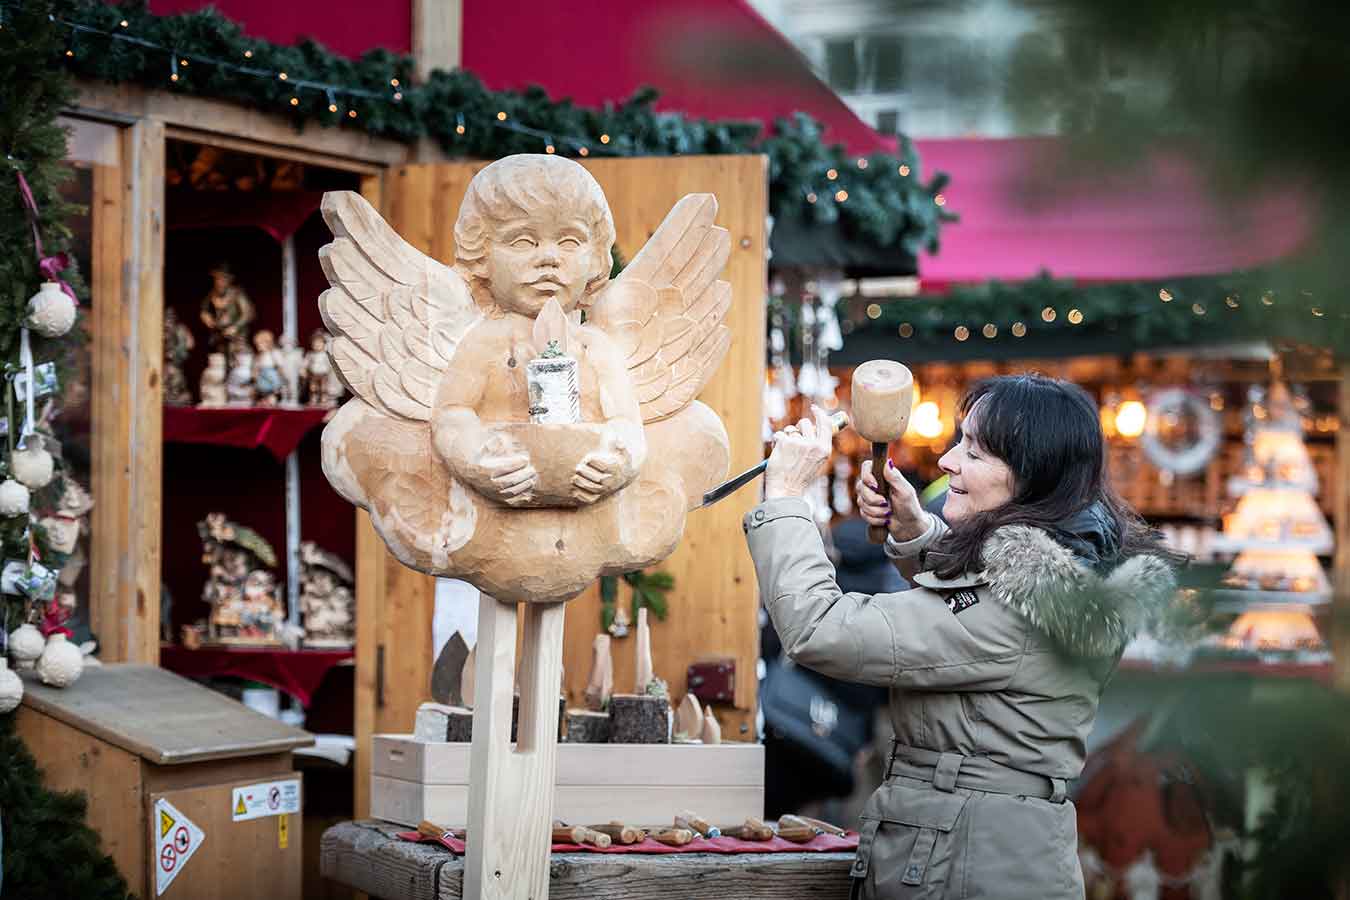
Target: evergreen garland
[(1172, 311), (887, 204), (34, 89), (48, 852)]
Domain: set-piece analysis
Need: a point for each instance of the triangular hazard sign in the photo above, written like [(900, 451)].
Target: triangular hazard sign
[(178, 840), (166, 822), (239, 808)]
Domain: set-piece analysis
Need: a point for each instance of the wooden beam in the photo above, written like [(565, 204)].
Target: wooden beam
[(437, 28), (341, 148), (127, 400)]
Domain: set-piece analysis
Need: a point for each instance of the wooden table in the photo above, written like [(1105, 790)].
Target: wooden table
[(366, 856)]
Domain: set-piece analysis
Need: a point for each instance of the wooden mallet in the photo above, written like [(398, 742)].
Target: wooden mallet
[(883, 392)]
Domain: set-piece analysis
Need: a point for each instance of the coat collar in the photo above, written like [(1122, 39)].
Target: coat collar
[(1084, 612), (932, 580)]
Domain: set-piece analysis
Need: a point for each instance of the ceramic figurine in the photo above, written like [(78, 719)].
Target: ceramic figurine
[(178, 343), (239, 386), (240, 588), (267, 378), (318, 372), (326, 599), (292, 361), (212, 386), (227, 311)]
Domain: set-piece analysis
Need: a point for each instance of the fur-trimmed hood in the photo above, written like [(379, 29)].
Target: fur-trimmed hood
[(1084, 612)]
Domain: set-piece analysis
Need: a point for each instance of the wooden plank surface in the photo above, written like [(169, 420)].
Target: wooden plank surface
[(109, 777), (162, 717), (236, 860), (364, 855), (714, 603)]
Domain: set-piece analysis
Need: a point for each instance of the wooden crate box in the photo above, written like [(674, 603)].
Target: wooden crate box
[(640, 784), (130, 736)]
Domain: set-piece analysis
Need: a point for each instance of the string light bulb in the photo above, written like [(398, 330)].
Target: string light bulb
[(1316, 311), (1165, 295), (841, 195), (1019, 329), (832, 174), (990, 330), (604, 139), (1075, 317), (961, 333), (1131, 417), (903, 170), (398, 95), (1198, 309), (874, 310), (582, 151), (393, 82), (1268, 299), (283, 76), (1231, 302), (940, 200), (124, 23), (862, 163), (811, 197), (459, 123), (501, 115), (906, 330), (549, 148), (295, 101), (1048, 314), (248, 54), (332, 101), (173, 68), (351, 114)]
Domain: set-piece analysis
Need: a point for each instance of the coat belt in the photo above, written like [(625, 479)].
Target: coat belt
[(948, 771)]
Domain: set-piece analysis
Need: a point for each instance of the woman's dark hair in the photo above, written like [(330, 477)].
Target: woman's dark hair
[(1048, 434)]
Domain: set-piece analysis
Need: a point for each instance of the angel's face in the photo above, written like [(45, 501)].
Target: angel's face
[(538, 257)]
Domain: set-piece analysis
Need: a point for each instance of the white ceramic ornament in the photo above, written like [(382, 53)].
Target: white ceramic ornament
[(61, 662), (13, 498), (11, 687), (26, 645), (32, 467), (51, 312)]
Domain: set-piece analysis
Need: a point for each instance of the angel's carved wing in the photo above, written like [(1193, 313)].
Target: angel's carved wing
[(396, 314), (665, 310)]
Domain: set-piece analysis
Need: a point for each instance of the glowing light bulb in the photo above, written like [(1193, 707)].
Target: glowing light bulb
[(501, 115), (295, 101), (990, 330), (351, 114), (1131, 417), (604, 139), (1198, 309), (1019, 329), (862, 163), (832, 174), (874, 310), (841, 195), (582, 151), (811, 197), (549, 148), (906, 330), (940, 200), (1165, 295), (248, 54), (393, 82), (926, 421), (961, 333), (1075, 317), (1048, 314), (283, 76), (903, 170)]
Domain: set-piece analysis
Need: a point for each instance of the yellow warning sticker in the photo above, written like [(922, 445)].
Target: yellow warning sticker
[(283, 831), (239, 808), (166, 823)]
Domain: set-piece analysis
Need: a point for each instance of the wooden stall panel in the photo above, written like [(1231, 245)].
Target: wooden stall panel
[(234, 860), (713, 605)]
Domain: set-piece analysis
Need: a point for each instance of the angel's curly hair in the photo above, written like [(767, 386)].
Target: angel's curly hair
[(511, 186)]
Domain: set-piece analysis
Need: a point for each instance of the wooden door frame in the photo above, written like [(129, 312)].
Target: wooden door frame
[(127, 327)]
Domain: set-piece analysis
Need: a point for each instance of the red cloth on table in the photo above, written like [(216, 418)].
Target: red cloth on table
[(279, 430), (297, 672), (821, 843)]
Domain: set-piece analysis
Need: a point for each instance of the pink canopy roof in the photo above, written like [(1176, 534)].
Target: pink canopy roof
[(1158, 222)]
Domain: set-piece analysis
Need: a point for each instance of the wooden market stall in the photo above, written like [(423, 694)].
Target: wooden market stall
[(131, 141)]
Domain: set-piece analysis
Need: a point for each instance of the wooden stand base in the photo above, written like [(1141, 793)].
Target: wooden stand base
[(511, 789)]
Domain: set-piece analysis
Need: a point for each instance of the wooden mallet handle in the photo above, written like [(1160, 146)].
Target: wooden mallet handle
[(877, 533)]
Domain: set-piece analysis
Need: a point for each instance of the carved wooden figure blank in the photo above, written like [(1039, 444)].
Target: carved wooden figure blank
[(465, 477)]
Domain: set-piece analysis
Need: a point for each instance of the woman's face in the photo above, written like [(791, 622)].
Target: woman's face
[(978, 480)]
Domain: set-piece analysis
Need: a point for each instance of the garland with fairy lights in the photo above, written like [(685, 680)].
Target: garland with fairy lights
[(1172, 311), (879, 200)]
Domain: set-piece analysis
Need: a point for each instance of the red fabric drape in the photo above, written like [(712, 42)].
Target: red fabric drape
[(296, 672), (279, 430)]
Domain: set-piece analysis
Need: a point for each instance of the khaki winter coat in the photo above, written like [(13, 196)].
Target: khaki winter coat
[(994, 677)]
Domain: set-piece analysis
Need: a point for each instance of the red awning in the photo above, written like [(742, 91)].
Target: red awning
[(715, 59), (1158, 221)]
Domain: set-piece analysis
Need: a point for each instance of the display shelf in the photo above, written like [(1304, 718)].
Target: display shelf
[(295, 672), (279, 429)]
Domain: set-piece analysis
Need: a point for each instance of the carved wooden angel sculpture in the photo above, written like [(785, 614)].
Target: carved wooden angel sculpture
[(465, 474)]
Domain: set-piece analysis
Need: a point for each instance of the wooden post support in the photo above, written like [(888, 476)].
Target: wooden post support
[(1340, 608), (511, 790)]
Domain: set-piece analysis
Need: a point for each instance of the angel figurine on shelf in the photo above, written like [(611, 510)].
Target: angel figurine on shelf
[(443, 359), (178, 343)]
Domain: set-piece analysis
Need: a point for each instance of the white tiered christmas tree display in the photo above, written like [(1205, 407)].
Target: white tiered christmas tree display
[(1277, 532)]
